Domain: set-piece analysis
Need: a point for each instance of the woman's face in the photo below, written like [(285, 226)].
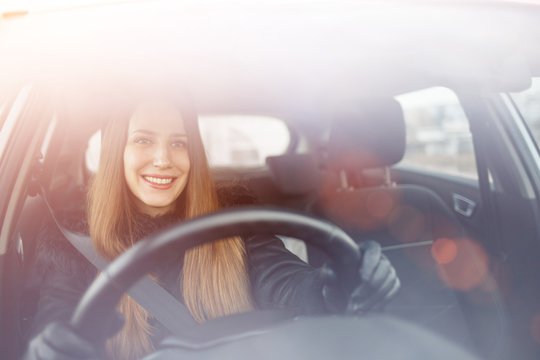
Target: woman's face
[(156, 159)]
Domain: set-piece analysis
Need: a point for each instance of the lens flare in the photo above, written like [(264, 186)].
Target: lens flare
[(407, 224), (444, 251), (361, 210), (535, 328), (469, 266), (379, 204)]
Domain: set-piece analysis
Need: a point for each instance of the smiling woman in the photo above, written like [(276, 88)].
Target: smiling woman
[(162, 143), (156, 160), (153, 173), (457, 217)]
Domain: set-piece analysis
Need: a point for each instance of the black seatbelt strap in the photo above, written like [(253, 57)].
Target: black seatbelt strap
[(164, 307)]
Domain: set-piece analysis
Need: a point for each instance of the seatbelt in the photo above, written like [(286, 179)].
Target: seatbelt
[(146, 292)]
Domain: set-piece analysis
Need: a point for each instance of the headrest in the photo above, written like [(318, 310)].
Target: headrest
[(294, 174), (370, 135)]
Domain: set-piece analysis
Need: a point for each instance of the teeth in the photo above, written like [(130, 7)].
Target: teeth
[(158, 180)]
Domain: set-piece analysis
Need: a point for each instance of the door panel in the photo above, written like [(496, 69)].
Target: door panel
[(447, 186)]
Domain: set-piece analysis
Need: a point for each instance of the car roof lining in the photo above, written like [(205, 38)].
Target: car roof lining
[(333, 54)]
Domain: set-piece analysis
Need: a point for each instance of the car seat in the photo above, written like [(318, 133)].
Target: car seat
[(355, 191), (372, 136), (406, 219)]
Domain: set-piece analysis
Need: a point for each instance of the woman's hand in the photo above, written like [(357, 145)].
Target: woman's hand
[(378, 283), (59, 342)]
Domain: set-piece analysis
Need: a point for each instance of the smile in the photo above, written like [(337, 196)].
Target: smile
[(159, 180)]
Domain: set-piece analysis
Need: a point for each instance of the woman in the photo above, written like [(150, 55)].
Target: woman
[(153, 172)]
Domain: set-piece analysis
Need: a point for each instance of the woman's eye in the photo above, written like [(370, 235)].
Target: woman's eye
[(179, 143), (142, 141)]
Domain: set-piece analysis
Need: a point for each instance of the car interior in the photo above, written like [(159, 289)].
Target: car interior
[(346, 174), (458, 219)]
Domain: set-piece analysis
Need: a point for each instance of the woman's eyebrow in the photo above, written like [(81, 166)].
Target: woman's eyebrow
[(149, 132), (143, 131)]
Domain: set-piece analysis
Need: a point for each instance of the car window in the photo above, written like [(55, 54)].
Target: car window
[(229, 140), (9, 113), (528, 103), (3, 106), (242, 141), (438, 135)]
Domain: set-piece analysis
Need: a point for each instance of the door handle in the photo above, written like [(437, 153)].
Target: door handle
[(463, 206)]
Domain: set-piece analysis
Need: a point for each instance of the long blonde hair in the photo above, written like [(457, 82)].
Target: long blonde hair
[(214, 277)]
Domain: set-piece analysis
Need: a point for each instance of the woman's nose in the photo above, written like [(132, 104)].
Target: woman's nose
[(161, 157)]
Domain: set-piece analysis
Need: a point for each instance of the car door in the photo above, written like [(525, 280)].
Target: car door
[(24, 116), (440, 153), (475, 152)]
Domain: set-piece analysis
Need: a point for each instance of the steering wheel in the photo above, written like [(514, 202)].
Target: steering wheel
[(374, 337), (104, 293)]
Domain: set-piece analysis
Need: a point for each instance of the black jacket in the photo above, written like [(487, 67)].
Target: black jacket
[(279, 280)]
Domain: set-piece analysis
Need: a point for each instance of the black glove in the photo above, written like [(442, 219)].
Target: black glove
[(59, 342), (378, 283)]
